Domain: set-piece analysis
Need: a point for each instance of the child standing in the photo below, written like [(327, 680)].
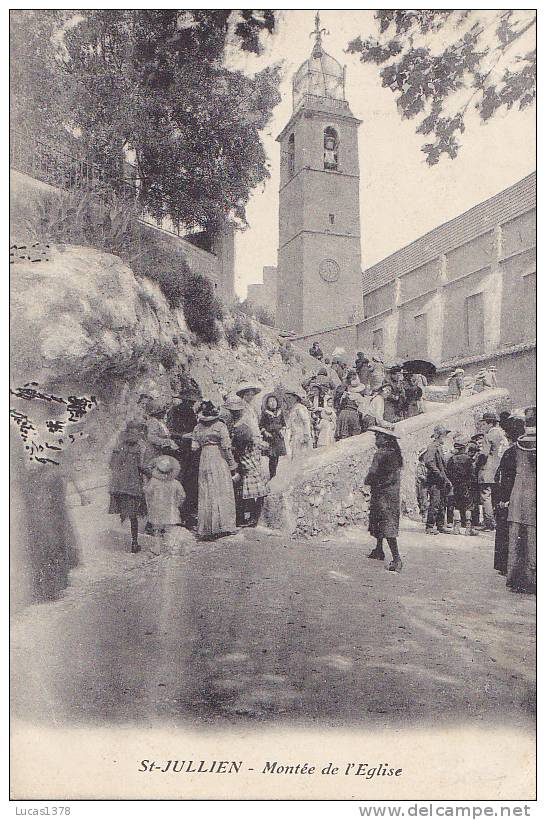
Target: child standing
[(126, 486), (421, 485), (164, 497), (459, 470)]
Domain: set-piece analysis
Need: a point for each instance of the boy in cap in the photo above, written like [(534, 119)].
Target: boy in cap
[(460, 473), (421, 484), (473, 449), (438, 484)]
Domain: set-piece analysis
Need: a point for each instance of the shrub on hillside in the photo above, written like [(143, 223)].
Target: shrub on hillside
[(202, 310), (83, 218), (168, 355), (254, 311), (242, 329), (288, 354)]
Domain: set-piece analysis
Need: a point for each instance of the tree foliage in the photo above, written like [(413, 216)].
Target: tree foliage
[(155, 83), (440, 63)]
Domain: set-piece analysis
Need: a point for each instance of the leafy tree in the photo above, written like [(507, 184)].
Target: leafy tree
[(439, 63), (155, 83), (37, 101)]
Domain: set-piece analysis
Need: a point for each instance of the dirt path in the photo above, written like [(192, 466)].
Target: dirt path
[(257, 627)]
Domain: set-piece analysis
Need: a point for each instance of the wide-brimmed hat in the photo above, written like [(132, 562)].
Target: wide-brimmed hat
[(517, 413), (166, 465), (490, 415), (293, 391), (440, 430), (461, 441), (208, 411), (248, 387), (528, 441), (385, 431), (234, 402)]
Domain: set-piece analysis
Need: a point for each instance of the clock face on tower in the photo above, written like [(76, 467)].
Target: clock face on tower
[(329, 270)]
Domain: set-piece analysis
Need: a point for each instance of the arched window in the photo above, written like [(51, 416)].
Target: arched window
[(291, 155), (331, 145)]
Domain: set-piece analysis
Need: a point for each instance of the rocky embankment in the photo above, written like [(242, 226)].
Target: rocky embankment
[(83, 325)]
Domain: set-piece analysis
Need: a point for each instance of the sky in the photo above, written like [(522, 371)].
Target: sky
[(401, 197)]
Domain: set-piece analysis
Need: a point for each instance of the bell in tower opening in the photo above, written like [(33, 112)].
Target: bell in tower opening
[(330, 149)]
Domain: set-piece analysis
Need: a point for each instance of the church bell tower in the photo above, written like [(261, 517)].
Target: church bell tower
[(319, 258)]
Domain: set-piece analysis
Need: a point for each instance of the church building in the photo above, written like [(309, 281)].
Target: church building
[(319, 261), (462, 295)]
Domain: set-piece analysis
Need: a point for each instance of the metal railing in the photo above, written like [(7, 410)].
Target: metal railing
[(52, 164)]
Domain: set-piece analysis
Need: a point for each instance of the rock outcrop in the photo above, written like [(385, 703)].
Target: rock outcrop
[(83, 324)]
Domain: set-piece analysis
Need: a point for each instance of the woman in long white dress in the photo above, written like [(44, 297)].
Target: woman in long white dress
[(217, 470), (298, 425)]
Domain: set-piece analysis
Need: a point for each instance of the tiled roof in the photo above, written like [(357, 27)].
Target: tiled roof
[(502, 207)]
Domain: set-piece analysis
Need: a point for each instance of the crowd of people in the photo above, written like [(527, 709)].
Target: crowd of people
[(202, 467), (347, 400), (486, 482)]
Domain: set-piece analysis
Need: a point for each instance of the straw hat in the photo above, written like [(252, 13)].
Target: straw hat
[(208, 411), (461, 441), (528, 441), (440, 430), (295, 392), (248, 387), (234, 402), (165, 466)]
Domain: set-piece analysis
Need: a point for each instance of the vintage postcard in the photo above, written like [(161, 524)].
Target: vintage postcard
[(273, 404)]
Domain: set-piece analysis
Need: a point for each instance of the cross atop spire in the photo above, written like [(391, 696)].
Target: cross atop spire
[(318, 32)]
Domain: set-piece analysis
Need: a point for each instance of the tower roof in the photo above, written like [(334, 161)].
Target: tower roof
[(321, 75)]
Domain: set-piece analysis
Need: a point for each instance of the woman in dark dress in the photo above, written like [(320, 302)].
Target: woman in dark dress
[(506, 474), (126, 479), (384, 480), (522, 516), (272, 426)]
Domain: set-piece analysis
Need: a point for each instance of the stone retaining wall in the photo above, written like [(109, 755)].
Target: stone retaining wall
[(326, 490)]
